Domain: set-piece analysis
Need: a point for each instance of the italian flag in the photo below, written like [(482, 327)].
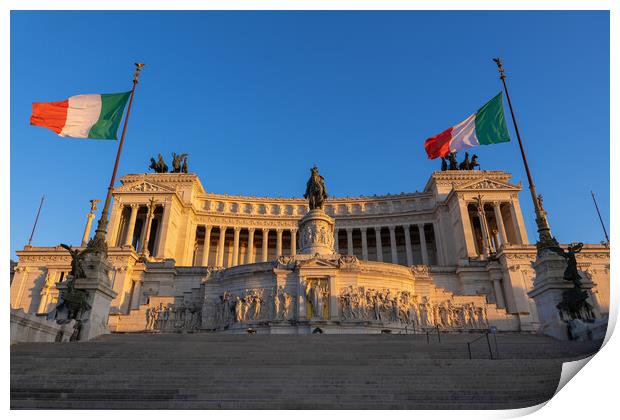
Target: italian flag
[(95, 116), (486, 126)]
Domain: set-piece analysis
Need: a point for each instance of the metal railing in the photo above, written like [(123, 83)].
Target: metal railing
[(485, 335)]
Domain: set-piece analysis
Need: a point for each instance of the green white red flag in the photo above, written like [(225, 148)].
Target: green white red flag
[(94, 116), (486, 126)]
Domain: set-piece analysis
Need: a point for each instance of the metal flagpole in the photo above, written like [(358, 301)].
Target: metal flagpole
[(36, 220), (599, 216), (545, 238), (97, 243)]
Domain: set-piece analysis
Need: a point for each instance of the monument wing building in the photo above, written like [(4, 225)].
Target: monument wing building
[(455, 256)]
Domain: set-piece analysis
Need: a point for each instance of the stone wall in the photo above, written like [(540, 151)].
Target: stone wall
[(31, 328)]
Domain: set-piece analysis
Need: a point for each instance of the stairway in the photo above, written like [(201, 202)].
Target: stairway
[(219, 371)]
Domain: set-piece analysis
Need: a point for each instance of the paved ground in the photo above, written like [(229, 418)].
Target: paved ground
[(215, 371)]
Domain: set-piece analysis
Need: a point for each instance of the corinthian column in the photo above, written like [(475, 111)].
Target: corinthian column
[(220, 247), (484, 227), (235, 260), (250, 258), (393, 244), (89, 222), (406, 228), (293, 241), (378, 244), (206, 249), (423, 243), (265, 245), (131, 225), (349, 241), (278, 242), (364, 245)]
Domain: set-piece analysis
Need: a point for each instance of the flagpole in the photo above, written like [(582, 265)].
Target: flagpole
[(37, 219), (98, 243), (599, 216), (545, 238)]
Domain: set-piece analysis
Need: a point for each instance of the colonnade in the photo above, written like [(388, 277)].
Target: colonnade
[(405, 244), (489, 227), (227, 246), (131, 229)]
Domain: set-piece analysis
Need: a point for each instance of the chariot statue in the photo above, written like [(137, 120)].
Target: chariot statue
[(177, 161), (315, 190)]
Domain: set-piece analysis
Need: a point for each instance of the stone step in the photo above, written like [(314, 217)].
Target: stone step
[(219, 371)]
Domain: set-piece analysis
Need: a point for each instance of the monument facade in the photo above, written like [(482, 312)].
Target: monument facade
[(454, 256)]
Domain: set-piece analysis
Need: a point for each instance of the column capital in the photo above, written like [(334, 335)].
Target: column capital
[(208, 228), (391, 228), (406, 226), (251, 230), (349, 229), (265, 230), (363, 229), (237, 229), (377, 228), (134, 205)]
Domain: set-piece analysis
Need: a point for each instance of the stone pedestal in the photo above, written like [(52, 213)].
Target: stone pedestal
[(98, 295), (316, 233), (548, 290)]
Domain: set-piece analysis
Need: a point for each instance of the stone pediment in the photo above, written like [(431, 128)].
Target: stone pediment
[(144, 186), (486, 184)]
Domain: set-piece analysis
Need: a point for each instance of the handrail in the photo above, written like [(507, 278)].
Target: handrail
[(485, 335), (428, 330)]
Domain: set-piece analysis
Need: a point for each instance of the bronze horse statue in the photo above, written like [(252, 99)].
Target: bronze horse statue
[(315, 190)]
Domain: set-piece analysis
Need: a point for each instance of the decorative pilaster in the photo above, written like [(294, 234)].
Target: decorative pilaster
[(336, 241), (191, 244), (517, 220), (500, 222), (163, 230), (468, 233)]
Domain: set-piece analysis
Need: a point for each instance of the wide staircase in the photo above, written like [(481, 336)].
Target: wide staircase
[(319, 371)]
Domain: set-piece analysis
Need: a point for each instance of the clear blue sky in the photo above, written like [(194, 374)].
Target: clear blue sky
[(256, 98)]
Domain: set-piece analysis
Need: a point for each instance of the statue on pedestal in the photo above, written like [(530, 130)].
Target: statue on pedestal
[(315, 190)]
